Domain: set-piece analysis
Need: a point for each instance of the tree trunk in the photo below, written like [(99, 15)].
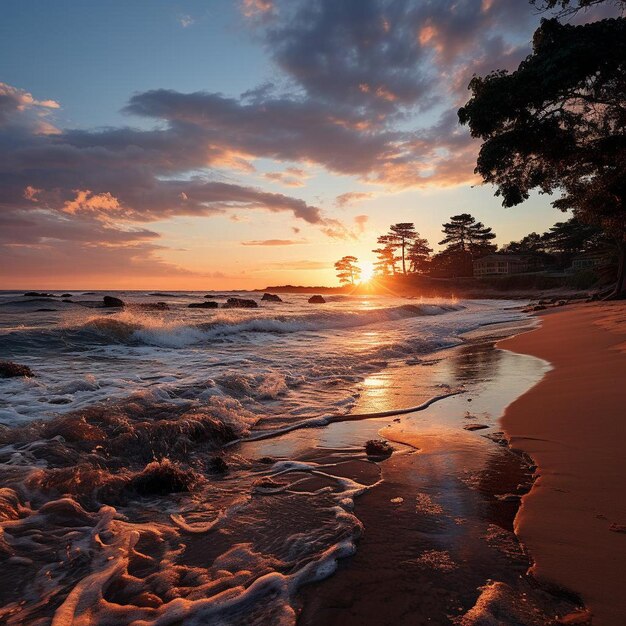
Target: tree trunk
[(403, 263), (619, 292)]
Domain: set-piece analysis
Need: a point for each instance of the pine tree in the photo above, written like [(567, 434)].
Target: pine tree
[(404, 234), (348, 272), (465, 234), (418, 255), (465, 240), (387, 258)]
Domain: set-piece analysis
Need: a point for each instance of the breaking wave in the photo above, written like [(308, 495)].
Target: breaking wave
[(136, 328)]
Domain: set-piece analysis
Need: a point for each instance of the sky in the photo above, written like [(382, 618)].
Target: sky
[(234, 144)]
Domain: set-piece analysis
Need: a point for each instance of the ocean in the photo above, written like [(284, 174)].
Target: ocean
[(131, 488)]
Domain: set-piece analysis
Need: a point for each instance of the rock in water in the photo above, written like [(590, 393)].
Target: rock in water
[(316, 300), (378, 448), (110, 301), (8, 369), (38, 294), (239, 303), (270, 297), (202, 305), (66, 295)]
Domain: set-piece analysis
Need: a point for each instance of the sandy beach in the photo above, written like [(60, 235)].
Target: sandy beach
[(573, 521)]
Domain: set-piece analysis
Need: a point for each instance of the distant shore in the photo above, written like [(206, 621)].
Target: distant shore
[(572, 424), (520, 286)]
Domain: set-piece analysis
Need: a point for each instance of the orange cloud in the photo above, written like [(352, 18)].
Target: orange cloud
[(273, 242), (31, 193), (86, 201)]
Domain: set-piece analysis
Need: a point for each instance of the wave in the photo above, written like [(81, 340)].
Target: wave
[(140, 328)]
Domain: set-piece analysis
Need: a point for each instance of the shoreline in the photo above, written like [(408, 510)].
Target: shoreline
[(437, 542), (571, 424)]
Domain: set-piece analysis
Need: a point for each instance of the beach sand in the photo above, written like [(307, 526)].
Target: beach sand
[(573, 424)]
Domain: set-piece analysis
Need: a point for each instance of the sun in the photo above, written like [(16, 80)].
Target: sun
[(367, 271)]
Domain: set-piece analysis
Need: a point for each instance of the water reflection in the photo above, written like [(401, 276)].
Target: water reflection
[(475, 361)]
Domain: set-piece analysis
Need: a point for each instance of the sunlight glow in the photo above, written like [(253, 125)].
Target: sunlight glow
[(367, 271)]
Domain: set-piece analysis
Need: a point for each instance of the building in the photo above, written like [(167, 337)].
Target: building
[(590, 261), (505, 264)]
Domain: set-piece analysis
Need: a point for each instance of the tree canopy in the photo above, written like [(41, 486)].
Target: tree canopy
[(568, 7), (348, 272), (558, 123)]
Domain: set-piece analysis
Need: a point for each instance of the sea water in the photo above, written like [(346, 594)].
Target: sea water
[(125, 496)]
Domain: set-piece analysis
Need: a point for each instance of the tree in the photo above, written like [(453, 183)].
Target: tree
[(404, 234), (569, 7), (418, 255), (464, 234), (573, 237), (532, 243), (387, 258), (558, 123), (348, 272)]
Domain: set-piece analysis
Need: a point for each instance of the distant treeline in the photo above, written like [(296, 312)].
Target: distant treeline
[(402, 250)]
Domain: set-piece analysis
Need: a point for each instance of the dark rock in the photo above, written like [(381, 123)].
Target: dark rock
[(89, 293), (267, 460), (45, 310), (162, 477), (8, 369), (539, 307), (270, 297), (110, 301), (218, 465), (316, 300), (378, 447), (202, 305), (38, 294), (561, 303), (475, 426), (239, 303), (154, 306), (66, 295), (59, 400)]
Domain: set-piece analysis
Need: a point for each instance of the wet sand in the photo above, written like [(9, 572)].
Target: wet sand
[(573, 424), (437, 545)]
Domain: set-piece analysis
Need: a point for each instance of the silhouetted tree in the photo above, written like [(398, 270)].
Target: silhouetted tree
[(348, 272), (405, 234), (418, 255), (569, 7), (386, 254), (531, 243), (572, 237), (558, 123)]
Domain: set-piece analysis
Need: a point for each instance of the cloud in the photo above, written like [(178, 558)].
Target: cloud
[(300, 265), (186, 20), (361, 221), (351, 197), (45, 245), (273, 242), (85, 200), (80, 194), (291, 177), (256, 8), (17, 103)]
